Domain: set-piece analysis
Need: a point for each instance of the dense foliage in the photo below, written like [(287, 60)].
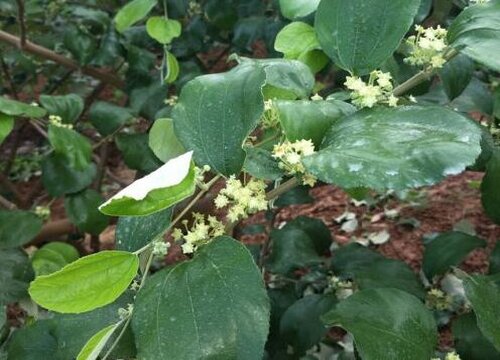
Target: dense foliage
[(228, 108)]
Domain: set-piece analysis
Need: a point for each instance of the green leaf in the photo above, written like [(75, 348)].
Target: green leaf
[(53, 257), (260, 164), (15, 274), (301, 324), (494, 267), (163, 142), (34, 342), (59, 178), (298, 195), (456, 74), (135, 232), (396, 148), (136, 152), (370, 270), (68, 107), (299, 244), (108, 118), (216, 113), (170, 184), (310, 120), (6, 126), (359, 35), (70, 144), (172, 68), (214, 306), (293, 9), (163, 30), (475, 32), (18, 228), (447, 250), (483, 293), (80, 44), (133, 12), (82, 210), (387, 324), (86, 284), (469, 341), (16, 108), (96, 343), (490, 188)]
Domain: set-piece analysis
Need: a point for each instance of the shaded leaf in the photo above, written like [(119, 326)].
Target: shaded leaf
[(53, 257), (456, 74), (490, 188), (163, 142), (16, 108), (260, 164), (71, 145), (18, 228), (68, 107), (107, 118), (82, 210)]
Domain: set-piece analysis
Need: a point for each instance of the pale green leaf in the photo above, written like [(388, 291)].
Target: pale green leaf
[(96, 343), (16, 108), (6, 126), (172, 68), (133, 12), (293, 9), (163, 30), (162, 140), (86, 284), (53, 257)]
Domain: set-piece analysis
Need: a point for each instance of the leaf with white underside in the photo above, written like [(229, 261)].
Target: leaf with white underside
[(396, 148), (159, 190), (96, 343)]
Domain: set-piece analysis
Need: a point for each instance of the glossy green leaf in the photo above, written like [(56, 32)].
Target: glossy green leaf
[(490, 188), (396, 148), (86, 284), (82, 210), (59, 178), (136, 152), (163, 30), (469, 341), (15, 274), (476, 33), (359, 35), (483, 293), (447, 250), (214, 306), (298, 244), (310, 120), (163, 142), (293, 9), (18, 228), (456, 74), (260, 164), (216, 113), (70, 144), (53, 257), (298, 195), (16, 108), (170, 184), (387, 324), (134, 232), (133, 12), (68, 107), (108, 118), (301, 324), (172, 68), (6, 126), (96, 343)]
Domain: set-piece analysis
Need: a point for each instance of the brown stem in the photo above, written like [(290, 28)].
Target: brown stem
[(62, 60), (283, 188), (7, 204), (22, 24), (53, 230), (5, 70)]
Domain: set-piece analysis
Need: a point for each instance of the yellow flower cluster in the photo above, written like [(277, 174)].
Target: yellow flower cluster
[(437, 299), (450, 356), (243, 200), (42, 212), (378, 90), (160, 247), (199, 176), (270, 118), (290, 159), (57, 121), (201, 232), (427, 47)]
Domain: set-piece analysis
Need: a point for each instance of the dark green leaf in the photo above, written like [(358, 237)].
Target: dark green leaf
[(163, 142), (133, 12), (16, 108), (490, 188), (80, 44), (68, 107), (82, 210), (215, 306), (15, 274), (74, 147), (107, 118), (298, 195), (359, 35), (33, 342), (495, 260), (396, 148), (53, 257), (447, 250), (260, 164), (456, 75), (18, 227), (87, 283), (136, 152), (387, 324), (132, 233), (59, 178)]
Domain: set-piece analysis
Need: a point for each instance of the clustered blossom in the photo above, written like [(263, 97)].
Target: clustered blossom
[(242, 200), (57, 121), (201, 232), (378, 90), (437, 299), (270, 118), (427, 47), (160, 247), (124, 313), (290, 159), (199, 176), (42, 212), (474, 2), (450, 356)]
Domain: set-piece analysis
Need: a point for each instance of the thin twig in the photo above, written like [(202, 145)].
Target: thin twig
[(283, 188), (7, 204), (22, 24)]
